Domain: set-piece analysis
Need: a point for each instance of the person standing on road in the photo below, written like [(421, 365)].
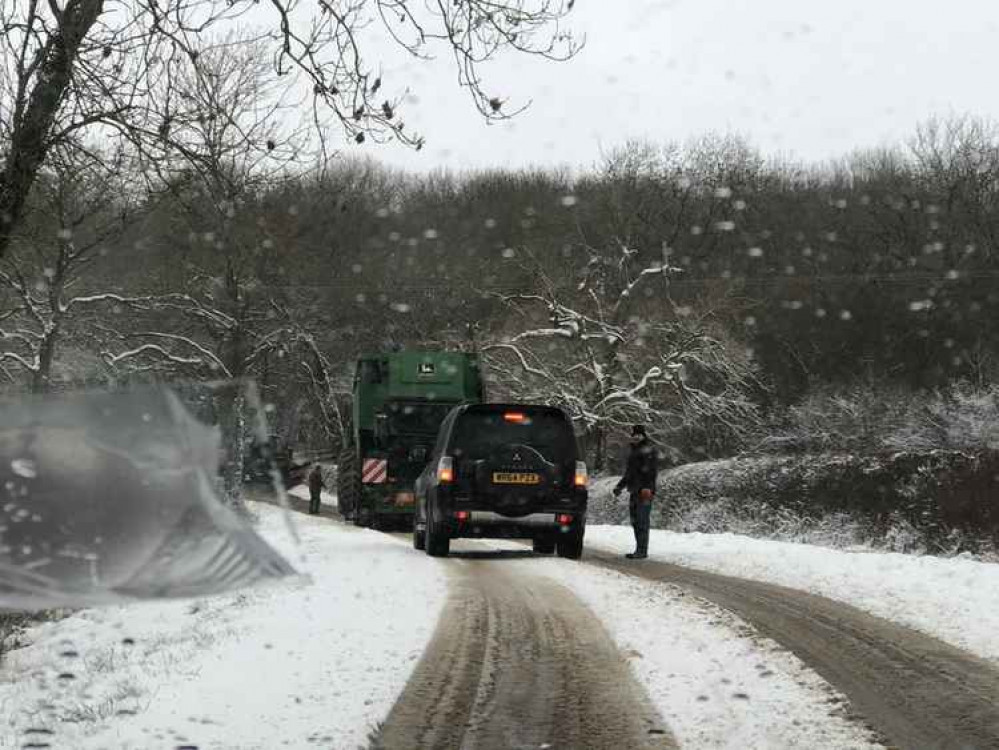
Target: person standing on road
[(316, 486), (640, 481)]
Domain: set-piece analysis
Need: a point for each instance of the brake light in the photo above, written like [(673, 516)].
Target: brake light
[(514, 416), (445, 470), (462, 515), (580, 478), (564, 519)]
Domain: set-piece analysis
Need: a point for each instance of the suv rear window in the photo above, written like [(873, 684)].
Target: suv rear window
[(479, 432)]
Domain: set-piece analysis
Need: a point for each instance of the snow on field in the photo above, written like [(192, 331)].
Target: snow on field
[(295, 665), (954, 599), (715, 683)]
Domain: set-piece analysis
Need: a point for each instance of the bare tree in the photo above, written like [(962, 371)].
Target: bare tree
[(52, 273), (75, 71), (616, 350)]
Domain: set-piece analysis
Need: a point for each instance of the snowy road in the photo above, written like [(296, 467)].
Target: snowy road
[(529, 649), (916, 690), (519, 662)]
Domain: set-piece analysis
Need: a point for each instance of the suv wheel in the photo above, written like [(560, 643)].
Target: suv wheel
[(437, 541), (570, 545), (419, 536), (544, 546)]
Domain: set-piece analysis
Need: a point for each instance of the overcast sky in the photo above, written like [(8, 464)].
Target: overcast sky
[(816, 79)]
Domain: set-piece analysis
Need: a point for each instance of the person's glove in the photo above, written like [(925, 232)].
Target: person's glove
[(616, 491)]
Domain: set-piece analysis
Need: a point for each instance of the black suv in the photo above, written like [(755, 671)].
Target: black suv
[(503, 471)]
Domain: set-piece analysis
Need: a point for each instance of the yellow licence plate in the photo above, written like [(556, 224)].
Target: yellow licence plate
[(500, 477)]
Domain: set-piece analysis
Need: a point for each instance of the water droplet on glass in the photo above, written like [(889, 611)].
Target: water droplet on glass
[(725, 226), (755, 252), (509, 252), (24, 467), (430, 234), (569, 200), (723, 192)]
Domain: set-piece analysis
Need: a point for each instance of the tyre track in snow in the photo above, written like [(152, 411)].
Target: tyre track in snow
[(518, 661), (919, 692)]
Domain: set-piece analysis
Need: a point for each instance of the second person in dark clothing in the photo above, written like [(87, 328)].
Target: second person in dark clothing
[(640, 481), (316, 485)]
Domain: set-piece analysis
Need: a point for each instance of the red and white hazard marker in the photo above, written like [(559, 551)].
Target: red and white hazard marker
[(374, 471)]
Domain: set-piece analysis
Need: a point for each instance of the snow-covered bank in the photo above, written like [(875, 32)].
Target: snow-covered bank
[(294, 665), (954, 599)]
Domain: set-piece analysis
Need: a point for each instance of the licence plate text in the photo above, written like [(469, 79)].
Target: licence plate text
[(502, 477)]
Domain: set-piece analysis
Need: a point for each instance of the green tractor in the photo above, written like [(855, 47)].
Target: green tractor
[(400, 400)]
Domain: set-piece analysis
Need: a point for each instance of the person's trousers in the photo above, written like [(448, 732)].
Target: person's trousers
[(641, 520), (314, 502)]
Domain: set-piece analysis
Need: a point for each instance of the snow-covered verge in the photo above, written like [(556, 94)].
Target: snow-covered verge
[(715, 683), (954, 599), (291, 665), (932, 501)]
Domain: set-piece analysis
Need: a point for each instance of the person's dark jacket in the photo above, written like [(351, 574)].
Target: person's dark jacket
[(316, 483), (641, 470)]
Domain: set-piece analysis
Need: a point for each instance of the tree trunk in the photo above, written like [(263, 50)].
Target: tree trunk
[(598, 439), (29, 143), (232, 418), (41, 379), (232, 425)]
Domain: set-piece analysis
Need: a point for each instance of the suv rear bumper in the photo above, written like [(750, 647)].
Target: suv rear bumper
[(491, 525)]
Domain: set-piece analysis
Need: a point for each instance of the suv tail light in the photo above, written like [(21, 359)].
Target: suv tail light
[(581, 477), (563, 519), (445, 470)]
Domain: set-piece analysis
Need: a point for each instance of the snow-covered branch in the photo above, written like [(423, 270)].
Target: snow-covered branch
[(212, 360), (21, 361), (113, 360)]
